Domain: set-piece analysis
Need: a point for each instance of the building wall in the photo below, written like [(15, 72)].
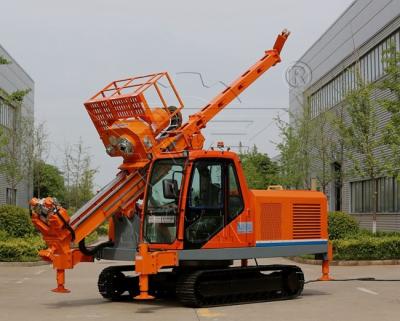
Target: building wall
[(358, 28), (12, 78), (357, 35)]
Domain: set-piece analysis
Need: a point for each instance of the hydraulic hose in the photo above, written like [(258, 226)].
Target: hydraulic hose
[(366, 279), (93, 250), (69, 228)]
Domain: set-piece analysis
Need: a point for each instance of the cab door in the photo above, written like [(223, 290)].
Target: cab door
[(214, 200)]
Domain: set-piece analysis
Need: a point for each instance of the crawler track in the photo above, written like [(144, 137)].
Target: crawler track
[(209, 287), (239, 285)]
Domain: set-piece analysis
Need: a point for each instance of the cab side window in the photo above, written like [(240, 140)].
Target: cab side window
[(206, 208), (214, 200), (206, 188), (235, 199)]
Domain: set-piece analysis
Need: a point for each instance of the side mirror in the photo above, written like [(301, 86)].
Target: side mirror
[(170, 189)]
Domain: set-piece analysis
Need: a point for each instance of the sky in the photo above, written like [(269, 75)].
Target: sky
[(74, 48)]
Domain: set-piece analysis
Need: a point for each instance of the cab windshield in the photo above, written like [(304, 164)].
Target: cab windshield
[(161, 205)]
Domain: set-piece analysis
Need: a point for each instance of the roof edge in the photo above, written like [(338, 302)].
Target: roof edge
[(329, 28), (17, 64)]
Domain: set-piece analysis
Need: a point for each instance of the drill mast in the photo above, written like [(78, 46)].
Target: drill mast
[(132, 128)]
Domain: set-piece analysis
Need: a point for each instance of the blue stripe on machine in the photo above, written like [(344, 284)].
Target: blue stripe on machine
[(271, 244)]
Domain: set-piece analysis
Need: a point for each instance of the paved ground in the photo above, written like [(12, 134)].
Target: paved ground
[(24, 295)]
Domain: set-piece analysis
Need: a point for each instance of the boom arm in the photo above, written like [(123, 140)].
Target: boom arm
[(130, 128), (189, 133)]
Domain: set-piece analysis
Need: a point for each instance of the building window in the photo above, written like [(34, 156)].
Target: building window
[(7, 115), (371, 68), (11, 196), (362, 196)]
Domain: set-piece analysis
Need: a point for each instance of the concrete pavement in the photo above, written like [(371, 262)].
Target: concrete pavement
[(24, 295)]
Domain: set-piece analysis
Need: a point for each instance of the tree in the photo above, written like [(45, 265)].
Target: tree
[(305, 132), (259, 169), (4, 61), (3, 136), (16, 162), (78, 175), (288, 147), (16, 141), (337, 122), (391, 134), (3, 142), (48, 181), (324, 149), (295, 149), (39, 153), (361, 137)]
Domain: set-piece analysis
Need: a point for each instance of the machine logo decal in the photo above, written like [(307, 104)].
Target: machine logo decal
[(245, 227)]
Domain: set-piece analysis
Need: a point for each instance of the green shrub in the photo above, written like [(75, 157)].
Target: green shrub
[(26, 249), (103, 229), (91, 238), (367, 248), (20, 250), (341, 225), (366, 233), (15, 221), (4, 235), (71, 210)]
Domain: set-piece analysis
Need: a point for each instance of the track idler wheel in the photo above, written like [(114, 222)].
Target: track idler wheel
[(111, 284), (293, 282)]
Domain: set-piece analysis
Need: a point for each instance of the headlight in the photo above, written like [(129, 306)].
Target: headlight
[(125, 146)]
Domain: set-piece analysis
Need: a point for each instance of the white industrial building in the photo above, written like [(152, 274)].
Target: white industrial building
[(359, 35), (13, 77)]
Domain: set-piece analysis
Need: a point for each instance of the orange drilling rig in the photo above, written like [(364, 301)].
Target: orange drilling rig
[(179, 214)]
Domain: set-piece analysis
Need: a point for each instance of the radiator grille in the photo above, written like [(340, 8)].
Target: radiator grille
[(271, 219), (306, 221)]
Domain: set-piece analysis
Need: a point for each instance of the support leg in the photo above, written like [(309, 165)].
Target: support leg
[(60, 282), (244, 262), (325, 271), (144, 288)]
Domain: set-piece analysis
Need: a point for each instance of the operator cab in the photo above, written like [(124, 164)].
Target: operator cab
[(162, 201), (201, 192)]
